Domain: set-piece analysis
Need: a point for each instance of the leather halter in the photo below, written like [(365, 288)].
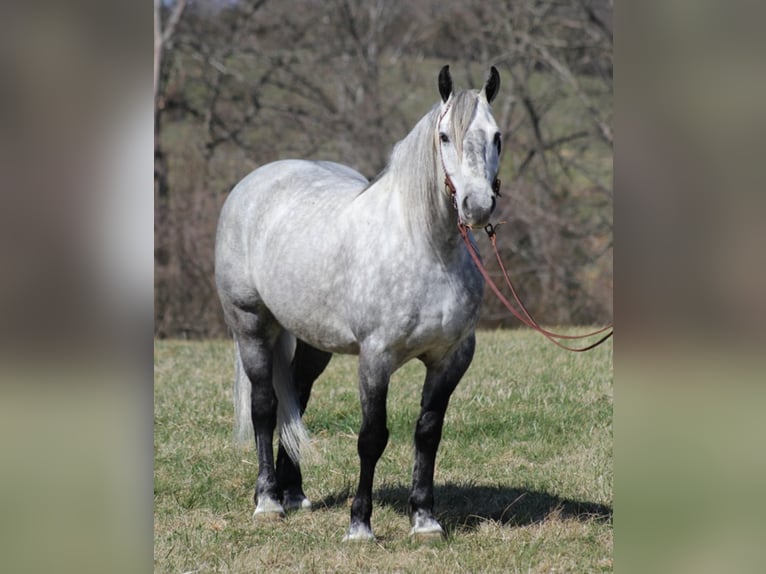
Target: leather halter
[(449, 186)]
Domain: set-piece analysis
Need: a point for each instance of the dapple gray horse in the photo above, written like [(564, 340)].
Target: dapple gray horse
[(312, 259)]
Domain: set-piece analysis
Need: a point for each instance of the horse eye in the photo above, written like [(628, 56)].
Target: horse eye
[(497, 141), (444, 137)]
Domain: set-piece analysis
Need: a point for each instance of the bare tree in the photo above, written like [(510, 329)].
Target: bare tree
[(239, 84), (163, 34)]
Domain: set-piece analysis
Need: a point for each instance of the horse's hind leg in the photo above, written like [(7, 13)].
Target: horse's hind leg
[(308, 363), (441, 379), (256, 355)]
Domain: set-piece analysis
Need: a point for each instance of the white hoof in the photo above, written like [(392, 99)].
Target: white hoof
[(268, 509), (426, 528), (358, 533), (297, 503)]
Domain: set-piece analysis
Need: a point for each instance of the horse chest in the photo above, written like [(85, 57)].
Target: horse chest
[(447, 311), (420, 310)]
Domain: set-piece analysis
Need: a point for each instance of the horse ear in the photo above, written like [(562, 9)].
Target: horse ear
[(445, 83), (492, 85)]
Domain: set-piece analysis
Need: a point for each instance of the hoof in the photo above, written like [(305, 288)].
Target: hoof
[(425, 528), (359, 533), (296, 503), (268, 510)]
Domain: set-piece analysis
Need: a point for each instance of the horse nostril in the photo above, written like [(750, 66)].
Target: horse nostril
[(470, 209)]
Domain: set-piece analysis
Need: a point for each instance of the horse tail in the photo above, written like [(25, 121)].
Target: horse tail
[(292, 432), (243, 422)]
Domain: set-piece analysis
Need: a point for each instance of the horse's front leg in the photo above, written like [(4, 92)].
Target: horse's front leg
[(374, 374), (442, 376)]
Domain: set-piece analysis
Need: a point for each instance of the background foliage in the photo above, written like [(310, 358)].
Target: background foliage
[(242, 83)]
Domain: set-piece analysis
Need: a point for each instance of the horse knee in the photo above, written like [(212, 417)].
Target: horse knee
[(372, 442), (428, 430)]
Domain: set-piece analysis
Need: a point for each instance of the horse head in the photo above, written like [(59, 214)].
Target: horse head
[(469, 146)]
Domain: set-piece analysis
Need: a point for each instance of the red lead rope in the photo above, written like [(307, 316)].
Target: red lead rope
[(526, 318)]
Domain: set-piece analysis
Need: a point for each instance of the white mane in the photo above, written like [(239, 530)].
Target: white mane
[(414, 169)]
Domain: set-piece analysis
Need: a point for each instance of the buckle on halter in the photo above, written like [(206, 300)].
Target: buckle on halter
[(491, 230), (496, 187)]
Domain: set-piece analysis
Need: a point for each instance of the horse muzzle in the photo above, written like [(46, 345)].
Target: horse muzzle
[(476, 209)]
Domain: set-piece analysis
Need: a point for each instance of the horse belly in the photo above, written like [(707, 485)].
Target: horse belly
[(312, 318)]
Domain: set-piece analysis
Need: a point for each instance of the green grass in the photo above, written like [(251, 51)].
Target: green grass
[(523, 476)]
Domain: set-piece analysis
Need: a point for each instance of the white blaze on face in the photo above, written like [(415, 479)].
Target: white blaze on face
[(471, 163)]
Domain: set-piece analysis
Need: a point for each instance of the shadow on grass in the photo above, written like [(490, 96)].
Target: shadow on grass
[(464, 507)]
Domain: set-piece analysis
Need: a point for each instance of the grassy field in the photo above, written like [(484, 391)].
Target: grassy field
[(523, 476)]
